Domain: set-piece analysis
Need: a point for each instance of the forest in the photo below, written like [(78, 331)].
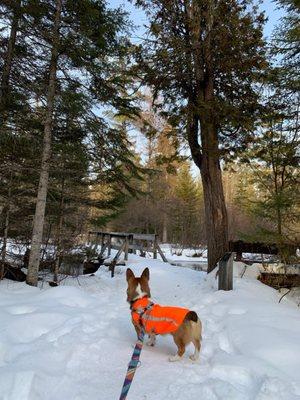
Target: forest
[(191, 133), (149, 199)]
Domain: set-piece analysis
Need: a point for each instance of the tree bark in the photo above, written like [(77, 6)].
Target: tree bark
[(38, 223), (215, 209), (5, 236), (6, 72), (201, 122), (59, 231)]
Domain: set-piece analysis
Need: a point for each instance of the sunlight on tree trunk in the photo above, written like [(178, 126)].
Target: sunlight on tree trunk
[(38, 222)]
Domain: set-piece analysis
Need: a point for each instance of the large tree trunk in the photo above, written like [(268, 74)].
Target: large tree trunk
[(201, 121), (215, 209), (207, 160), (38, 222), (4, 88)]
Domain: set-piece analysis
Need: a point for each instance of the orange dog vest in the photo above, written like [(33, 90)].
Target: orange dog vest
[(155, 318)]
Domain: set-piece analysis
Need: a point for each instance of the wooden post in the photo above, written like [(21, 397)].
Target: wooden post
[(109, 245), (161, 253), (226, 272), (102, 242), (126, 248), (103, 248), (155, 247), (115, 260), (96, 243), (131, 244), (90, 247)]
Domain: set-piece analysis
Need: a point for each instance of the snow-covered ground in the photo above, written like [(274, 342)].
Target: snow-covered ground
[(74, 341), (177, 253)]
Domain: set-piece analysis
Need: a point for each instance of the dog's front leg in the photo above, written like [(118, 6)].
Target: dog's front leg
[(152, 339), (138, 330)]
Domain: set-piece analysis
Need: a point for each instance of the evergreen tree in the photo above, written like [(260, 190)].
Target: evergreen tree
[(286, 44), (204, 57), (274, 162), (17, 124), (186, 210), (38, 222), (64, 68)]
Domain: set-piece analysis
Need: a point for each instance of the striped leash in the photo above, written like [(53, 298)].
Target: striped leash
[(132, 366)]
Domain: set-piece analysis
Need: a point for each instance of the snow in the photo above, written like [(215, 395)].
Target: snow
[(186, 254), (75, 341)]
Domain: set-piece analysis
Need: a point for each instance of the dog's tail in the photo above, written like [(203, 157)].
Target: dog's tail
[(196, 324)]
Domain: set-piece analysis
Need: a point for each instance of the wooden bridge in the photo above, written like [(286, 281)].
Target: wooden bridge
[(126, 243)]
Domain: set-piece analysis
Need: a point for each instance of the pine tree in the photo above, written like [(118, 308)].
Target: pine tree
[(17, 125), (39, 216), (73, 71), (204, 58)]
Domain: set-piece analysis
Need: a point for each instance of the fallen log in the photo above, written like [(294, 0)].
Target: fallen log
[(13, 273), (278, 281)]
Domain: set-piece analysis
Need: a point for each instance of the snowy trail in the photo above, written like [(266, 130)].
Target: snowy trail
[(74, 342)]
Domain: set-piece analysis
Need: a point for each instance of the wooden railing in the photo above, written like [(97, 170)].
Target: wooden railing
[(129, 241)]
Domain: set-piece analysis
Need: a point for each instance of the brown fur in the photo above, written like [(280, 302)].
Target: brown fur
[(190, 329)]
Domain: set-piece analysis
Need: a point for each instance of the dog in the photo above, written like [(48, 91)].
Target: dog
[(184, 325)]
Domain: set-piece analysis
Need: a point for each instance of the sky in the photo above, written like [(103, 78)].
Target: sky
[(139, 19)]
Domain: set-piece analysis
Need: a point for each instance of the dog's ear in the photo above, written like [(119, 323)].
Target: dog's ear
[(146, 274), (129, 274)]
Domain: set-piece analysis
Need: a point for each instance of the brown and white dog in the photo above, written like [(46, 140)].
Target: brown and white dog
[(184, 325)]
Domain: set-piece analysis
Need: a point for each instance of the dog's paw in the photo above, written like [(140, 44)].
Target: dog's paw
[(175, 358), (194, 357)]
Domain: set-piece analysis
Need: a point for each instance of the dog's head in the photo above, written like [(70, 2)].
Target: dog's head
[(137, 287)]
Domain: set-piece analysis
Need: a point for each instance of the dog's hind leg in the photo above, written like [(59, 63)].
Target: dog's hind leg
[(196, 339), (181, 349), (197, 344)]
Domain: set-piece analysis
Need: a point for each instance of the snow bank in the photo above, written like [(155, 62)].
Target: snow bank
[(74, 341)]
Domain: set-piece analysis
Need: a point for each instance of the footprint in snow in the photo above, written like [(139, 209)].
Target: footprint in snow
[(19, 310)]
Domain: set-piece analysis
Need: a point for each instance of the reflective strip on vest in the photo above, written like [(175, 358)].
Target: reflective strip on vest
[(159, 319)]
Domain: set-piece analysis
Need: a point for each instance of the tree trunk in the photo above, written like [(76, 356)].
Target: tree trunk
[(165, 228), (207, 160), (4, 88), (201, 120), (38, 223), (6, 228), (59, 231), (5, 237), (215, 209)]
